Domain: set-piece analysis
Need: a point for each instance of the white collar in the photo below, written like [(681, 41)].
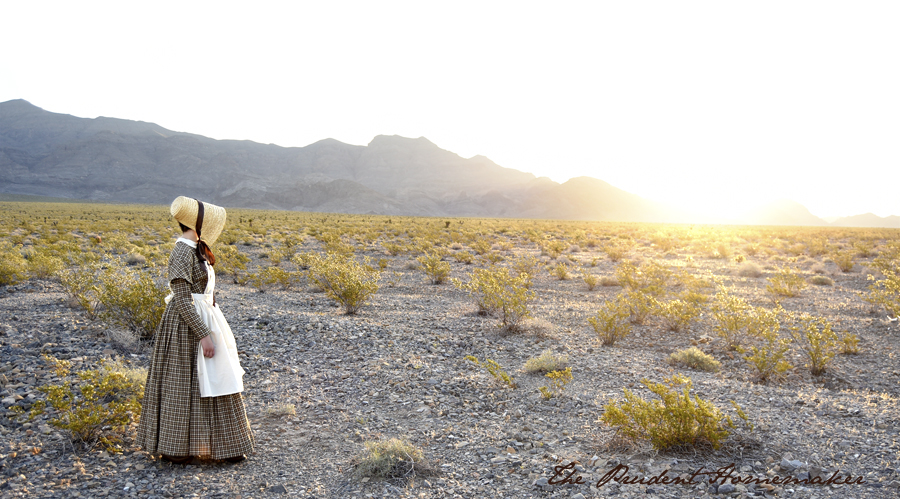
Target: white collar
[(187, 241)]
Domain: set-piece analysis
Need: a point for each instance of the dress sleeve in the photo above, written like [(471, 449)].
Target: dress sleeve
[(184, 305), (180, 263)]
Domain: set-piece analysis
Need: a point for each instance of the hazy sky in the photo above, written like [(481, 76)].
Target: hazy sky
[(714, 105)]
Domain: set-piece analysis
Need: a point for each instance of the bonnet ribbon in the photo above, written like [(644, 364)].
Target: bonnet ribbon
[(203, 252)]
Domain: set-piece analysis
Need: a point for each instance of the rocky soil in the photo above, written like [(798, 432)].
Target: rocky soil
[(397, 369)]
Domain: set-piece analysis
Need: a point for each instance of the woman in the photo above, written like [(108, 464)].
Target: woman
[(175, 420)]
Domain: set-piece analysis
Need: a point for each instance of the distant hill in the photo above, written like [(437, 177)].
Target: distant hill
[(781, 212), (109, 159), (868, 220)]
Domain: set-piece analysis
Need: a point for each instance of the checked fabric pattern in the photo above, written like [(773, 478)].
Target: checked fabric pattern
[(175, 420)]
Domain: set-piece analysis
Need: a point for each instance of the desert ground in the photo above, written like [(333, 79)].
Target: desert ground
[(321, 384)]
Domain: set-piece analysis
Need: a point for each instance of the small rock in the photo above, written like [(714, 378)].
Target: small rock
[(277, 489), (726, 488)]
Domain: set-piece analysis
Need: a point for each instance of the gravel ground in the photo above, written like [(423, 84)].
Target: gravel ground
[(397, 369)]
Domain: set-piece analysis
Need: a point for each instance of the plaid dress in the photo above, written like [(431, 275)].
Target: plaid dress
[(175, 420)]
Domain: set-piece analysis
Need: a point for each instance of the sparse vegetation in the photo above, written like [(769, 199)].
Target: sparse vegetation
[(673, 420), (590, 279), (695, 359), (821, 280), (497, 292), (785, 282), (344, 280), (816, 340), (494, 369), (611, 322), (749, 269), (844, 260), (768, 358), (97, 405), (434, 267), (391, 459), (558, 381), (547, 361)]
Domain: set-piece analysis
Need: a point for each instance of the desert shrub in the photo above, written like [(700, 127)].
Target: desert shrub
[(887, 259), (131, 298), (768, 358), (12, 265), (494, 369), (492, 258), (434, 267), (98, 405), (695, 359), (611, 322), (558, 381), (885, 292), (677, 314), (673, 420), (335, 246), (391, 459), (526, 266), (843, 259), (821, 280), (290, 245), (344, 280), (481, 246), (849, 344), (691, 288), (733, 318), (785, 283), (795, 249), (382, 263), (44, 266), (497, 292), (663, 242), (816, 247), (547, 361), (280, 410), (749, 269), (864, 249), (590, 280), (609, 281), (640, 305), (230, 260), (721, 250), (650, 278), (393, 249), (560, 271), (616, 252), (463, 257), (135, 259), (272, 278), (81, 283), (751, 249), (553, 249), (816, 340)]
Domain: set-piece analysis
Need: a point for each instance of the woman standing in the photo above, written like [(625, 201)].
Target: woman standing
[(175, 420)]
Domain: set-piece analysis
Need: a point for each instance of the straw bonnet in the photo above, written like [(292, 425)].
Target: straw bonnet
[(186, 209)]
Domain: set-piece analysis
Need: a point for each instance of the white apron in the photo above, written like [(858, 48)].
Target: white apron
[(221, 374)]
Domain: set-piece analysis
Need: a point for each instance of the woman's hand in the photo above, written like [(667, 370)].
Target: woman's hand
[(209, 349)]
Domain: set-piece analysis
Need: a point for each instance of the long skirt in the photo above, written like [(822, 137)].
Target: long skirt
[(175, 420)]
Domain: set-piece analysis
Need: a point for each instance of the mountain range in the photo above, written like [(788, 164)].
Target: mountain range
[(116, 160)]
